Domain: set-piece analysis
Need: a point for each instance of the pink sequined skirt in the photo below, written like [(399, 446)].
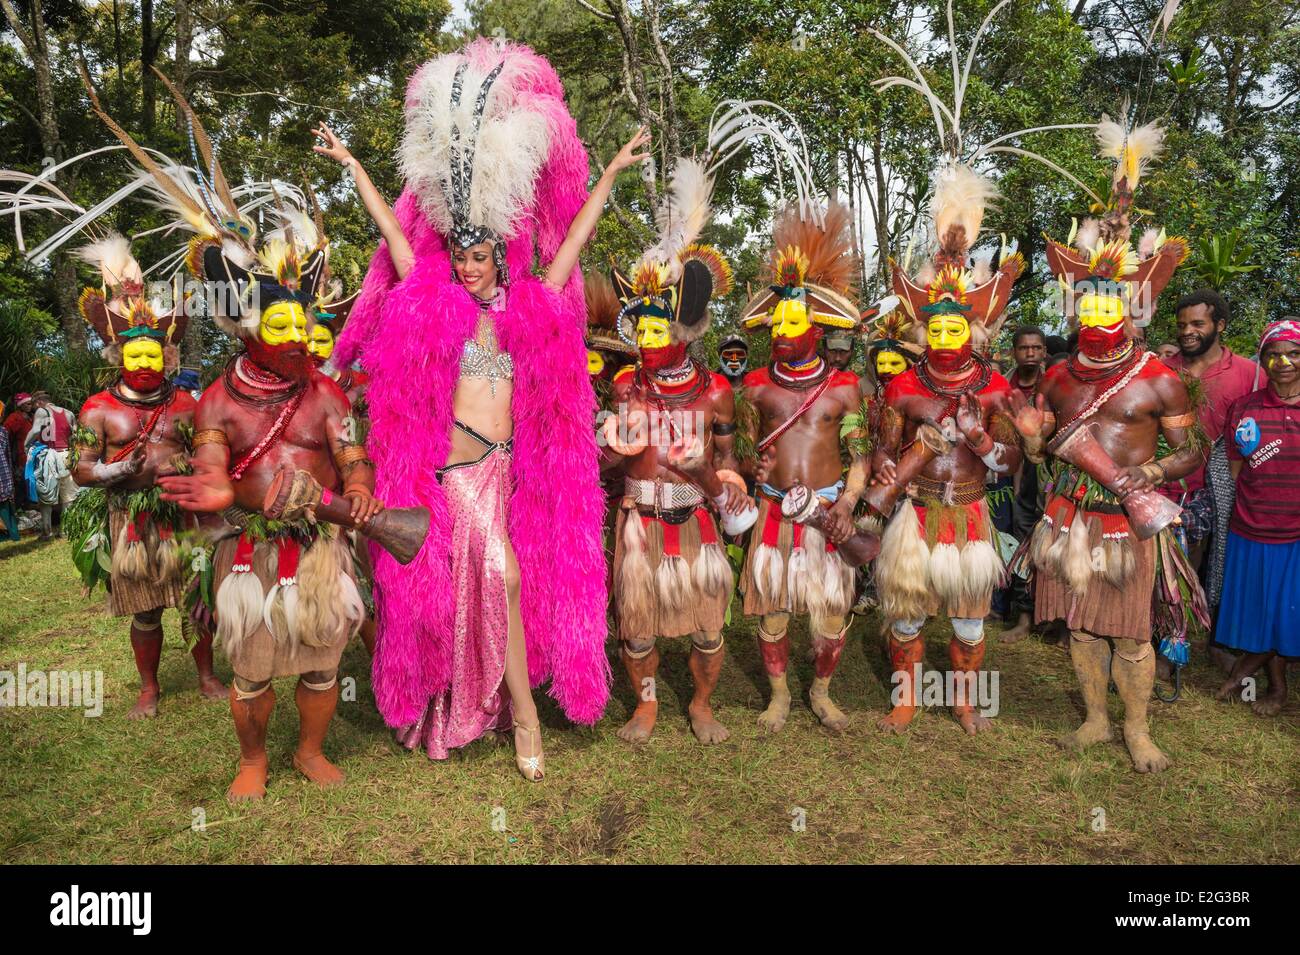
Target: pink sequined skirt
[(476, 700)]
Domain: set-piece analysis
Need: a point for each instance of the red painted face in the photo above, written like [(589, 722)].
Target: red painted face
[(1099, 341), (290, 360), (143, 380), (949, 360), (798, 349), (669, 356)]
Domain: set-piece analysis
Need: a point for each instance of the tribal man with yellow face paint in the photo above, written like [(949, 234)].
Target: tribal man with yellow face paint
[(674, 431), (796, 567), (128, 437), (943, 429)]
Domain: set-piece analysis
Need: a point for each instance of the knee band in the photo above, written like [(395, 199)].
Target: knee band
[(904, 630), (1133, 651), (829, 628), (770, 637), (320, 681), (149, 620), (1082, 636), (638, 649), (969, 630), (249, 689), (705, 642)]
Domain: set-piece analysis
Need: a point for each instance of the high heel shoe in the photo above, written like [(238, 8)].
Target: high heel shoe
[(532, 768)]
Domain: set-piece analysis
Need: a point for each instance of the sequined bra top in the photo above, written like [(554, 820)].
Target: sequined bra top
[(481, 358)]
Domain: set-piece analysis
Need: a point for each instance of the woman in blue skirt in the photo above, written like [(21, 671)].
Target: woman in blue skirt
[(1260, 611)]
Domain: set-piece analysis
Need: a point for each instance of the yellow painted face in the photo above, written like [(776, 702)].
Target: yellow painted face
[(142, 354), (947, 332), (790, 319), (1100, 311), (653, 332), (284, 322), (595, 362), (890, 363), (321, 343)]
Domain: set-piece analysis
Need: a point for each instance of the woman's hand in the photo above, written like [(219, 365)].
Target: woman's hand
[(628, 155), (331, 146)]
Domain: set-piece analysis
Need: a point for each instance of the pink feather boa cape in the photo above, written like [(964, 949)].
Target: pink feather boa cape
[(408, 336)]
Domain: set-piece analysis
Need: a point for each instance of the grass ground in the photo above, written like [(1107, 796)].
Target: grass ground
[(82, 790)]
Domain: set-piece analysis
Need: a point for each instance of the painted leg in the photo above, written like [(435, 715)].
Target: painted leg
[(706, 666), (1091, 659), (641, 658), (250, 708), (966, 658), (828, 638), (1135, 674), (316, 704), (774, 647), (209, 685), (146, 644), (906, 654)]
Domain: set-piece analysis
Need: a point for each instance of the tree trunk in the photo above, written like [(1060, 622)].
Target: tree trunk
[(148, 51), (34, 42), (192, 344)]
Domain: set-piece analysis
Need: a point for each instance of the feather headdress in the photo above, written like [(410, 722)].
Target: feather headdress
[(675, 278), (603, 311), (120, 308), (811, 263), (1100, 257), (477, 137)]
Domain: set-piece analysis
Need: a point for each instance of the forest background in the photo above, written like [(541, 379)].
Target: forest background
[(1223, 76)]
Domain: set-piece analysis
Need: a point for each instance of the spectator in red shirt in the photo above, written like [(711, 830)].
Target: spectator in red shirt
[(1201, 320), (1260, 608), (18, 424)]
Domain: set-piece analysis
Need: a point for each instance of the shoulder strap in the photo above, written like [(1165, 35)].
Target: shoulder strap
[(785, 426)]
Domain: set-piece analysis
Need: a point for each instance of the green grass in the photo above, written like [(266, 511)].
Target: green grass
[(81, 790)]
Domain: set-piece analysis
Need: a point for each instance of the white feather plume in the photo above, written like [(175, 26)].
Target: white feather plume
[(112, 256), (511, 147), (683, 212), (1087, 236), (1133, 149), (960, 197)]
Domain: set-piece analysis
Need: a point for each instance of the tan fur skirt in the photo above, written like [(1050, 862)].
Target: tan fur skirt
[(146, 572), (785, 576), (669, 580), (277, 620)]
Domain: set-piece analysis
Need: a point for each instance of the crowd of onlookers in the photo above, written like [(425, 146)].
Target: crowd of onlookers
[(34, 474)]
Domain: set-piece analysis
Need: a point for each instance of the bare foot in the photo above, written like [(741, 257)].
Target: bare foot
[(1086, 735), (972, 722), (1017, 633), (1229, 691), (213, 689), (319, 769), (641, 725), (707, 729), (1147, 758), (898, 719), (1270, 704), (146, 705), (832, 717), (250, 782), (774, 717)]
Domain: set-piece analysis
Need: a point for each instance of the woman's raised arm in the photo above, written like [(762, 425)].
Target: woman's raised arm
[(398, 248), (561, 267)]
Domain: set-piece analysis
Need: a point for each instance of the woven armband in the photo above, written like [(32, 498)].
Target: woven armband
[(209, 436)]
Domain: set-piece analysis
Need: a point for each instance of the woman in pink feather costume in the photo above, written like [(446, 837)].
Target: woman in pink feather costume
[(480, 405)]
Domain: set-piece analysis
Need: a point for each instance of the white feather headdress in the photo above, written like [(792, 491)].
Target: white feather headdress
[(473, 147)]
